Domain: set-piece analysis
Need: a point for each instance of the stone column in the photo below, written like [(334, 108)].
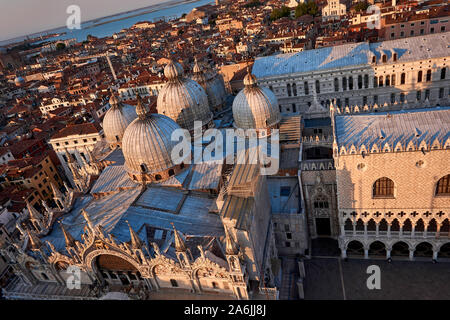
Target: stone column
[(365, 229), (435, 254), (366, 253), (400, 233), (354, 228), (344, 253), (389, 231), (128, 278), (377, 227), (343, 229), (411, 254), (388, 253)]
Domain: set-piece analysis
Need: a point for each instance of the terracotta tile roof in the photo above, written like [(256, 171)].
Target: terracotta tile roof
[(78, 129)]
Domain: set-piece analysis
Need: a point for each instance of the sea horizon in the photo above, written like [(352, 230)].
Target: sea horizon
[(91, 24)]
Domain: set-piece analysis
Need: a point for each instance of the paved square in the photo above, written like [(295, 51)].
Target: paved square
[(325, 279)]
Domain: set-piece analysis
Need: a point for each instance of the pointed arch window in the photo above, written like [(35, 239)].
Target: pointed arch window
[(306, 88), (428, 78), (344, 83), (443, 186), (383, 188)]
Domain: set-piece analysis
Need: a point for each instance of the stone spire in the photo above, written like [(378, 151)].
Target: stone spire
[(114, 100), (231, 246), (173, 71), (141, 108), (88, 220), (250, 79), (56, 193), (89, 153), (34, 214), (72, 165), (180, 246), (69, 156), (35, 242), (136, 242), (70, 241), (68, 189), (197, 68)]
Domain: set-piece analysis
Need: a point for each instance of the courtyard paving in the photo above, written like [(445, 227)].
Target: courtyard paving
[(335, 279)]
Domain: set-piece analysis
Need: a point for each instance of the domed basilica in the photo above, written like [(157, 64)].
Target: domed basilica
[(148, 224)]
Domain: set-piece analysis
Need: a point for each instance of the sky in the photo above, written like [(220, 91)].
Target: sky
[(22, 17)]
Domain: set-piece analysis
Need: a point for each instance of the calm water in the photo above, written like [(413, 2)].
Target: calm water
[(108, 29)]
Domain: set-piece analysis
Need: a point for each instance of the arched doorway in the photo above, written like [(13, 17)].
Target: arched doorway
[(377, 248), (355, 248), (424, 249), (116, 270), (400, 249), (444, 252)]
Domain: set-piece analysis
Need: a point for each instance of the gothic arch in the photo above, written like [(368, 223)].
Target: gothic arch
[(91, 259), (444, 250), (443, 186), (400, 248), (348, 225), (377, 248), (383, 187), (423, 249), (355, 247)]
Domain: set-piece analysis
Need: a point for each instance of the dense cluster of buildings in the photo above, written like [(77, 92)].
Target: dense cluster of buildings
[(88, 179)]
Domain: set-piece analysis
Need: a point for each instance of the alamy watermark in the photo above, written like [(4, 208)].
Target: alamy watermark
[(74, 19), (73, 281), (374, 280), (374, 20)]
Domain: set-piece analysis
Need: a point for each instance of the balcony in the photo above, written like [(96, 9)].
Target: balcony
[(397, 234)]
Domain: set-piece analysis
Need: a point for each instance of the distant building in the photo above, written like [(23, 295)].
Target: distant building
[(333, 10), (405, 72), (73, 145)]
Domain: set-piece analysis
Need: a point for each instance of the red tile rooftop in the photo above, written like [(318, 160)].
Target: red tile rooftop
[(78, 129)]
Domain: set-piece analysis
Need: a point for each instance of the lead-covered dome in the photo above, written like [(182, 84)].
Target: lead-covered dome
[(213, 84), (117, 119), (147, 146), (183, 100), (255, 107)]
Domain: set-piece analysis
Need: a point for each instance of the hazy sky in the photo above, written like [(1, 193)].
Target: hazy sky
[(21, 17)]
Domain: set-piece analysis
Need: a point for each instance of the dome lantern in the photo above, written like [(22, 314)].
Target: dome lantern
[(141, 108)]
